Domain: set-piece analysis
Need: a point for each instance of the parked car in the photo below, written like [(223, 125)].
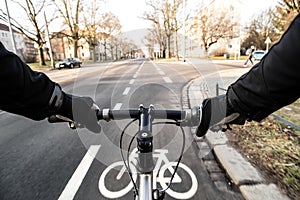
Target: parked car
[(258, 54), (69, 63)]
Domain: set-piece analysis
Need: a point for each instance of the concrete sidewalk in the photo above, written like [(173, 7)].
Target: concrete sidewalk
[(243, 175)]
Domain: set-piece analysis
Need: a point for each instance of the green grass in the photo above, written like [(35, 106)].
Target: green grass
[(230, 58), (37, 66), (291, 112)]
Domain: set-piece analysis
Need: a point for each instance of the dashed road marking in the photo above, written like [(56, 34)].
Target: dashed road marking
[(131, 81), (118, 106), (79, 174), (126, 91), (167, 79), (161, 72)]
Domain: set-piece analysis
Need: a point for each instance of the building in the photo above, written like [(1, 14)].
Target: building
[(63, 48), (25, 47), (5, 38)]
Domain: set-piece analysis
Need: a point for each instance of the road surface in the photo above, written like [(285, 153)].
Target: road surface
[(46, 161)]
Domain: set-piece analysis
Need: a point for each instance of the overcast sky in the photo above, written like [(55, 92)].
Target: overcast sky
[(130, 11)]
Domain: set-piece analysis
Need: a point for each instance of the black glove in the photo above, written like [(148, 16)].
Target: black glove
[(217, 112), (81, 110)]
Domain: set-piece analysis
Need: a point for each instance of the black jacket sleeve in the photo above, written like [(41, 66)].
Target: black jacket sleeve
[(272, 83), (23, 91)]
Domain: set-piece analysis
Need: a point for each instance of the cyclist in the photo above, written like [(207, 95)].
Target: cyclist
[(271, 84), (33, 95)]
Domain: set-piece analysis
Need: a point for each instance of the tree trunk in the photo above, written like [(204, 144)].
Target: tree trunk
[(94, 54), (75, 44), (105, 54), (176, 45), (41, 55), (169, 46)]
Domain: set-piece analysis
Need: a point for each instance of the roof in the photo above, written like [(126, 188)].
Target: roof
[(4, 27)]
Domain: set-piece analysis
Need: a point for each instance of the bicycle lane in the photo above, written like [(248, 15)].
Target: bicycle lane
[(193, 181), (203, 189)]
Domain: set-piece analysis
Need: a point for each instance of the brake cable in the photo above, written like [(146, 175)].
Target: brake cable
[(181, 153), (122, 155)]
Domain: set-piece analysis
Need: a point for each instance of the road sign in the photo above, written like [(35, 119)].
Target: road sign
[(268, 41)]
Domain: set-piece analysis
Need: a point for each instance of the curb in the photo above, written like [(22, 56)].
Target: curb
[(243, 175)]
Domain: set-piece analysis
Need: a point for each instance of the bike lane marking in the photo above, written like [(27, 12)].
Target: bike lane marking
[(79, 174), (161, 72), (162, 164)]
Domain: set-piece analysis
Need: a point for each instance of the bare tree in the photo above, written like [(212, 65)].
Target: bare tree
[(211, 27), (110, 28), (92, 25), (284, 13), (176, 23), (156, 33), (164, 16), (70, 10), (34, 30)]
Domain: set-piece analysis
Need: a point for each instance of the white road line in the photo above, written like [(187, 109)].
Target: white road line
[(131, 81), (126, 91), (135, 75), (167, 79), (118, 106), (79, 174), (161, 72)]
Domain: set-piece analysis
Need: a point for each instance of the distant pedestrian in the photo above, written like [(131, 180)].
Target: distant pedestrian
[(250, 56)]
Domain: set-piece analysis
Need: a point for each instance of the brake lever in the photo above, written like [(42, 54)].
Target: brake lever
[(59, 118), (75, 125)]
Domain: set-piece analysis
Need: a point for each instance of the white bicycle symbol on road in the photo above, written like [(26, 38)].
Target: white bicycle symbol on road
[(158, 174)]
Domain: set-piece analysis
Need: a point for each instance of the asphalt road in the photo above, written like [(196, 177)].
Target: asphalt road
[(46, 161)]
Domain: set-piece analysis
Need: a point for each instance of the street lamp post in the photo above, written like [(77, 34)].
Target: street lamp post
[(184, 24), (10, 30)]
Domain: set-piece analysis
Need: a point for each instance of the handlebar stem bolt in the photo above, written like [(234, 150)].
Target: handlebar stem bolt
[(144, 134)]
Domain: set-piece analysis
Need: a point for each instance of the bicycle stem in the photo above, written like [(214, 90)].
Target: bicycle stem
[(144, 145)]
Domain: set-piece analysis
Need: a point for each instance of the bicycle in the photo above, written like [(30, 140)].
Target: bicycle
[(144, 156)]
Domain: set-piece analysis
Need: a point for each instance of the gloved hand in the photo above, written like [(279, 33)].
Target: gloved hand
[(217, 112), (82, 110)]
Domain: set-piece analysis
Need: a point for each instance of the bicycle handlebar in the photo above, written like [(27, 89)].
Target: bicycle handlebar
[(188, 117), (183, 115)]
